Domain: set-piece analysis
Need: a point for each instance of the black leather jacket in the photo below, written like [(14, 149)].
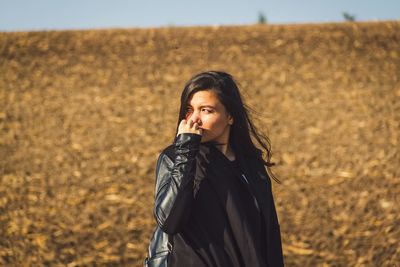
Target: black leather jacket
[(175, 177), (173, 192)]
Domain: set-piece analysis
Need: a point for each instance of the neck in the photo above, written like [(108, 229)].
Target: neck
[(224, 146), (226, 150)]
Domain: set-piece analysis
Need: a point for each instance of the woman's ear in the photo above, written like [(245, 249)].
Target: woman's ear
[(230, 120)]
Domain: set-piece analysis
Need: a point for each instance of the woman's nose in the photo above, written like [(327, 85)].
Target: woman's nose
[(195, 117)]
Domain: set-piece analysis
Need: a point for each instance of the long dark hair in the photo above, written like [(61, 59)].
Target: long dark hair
[(225, 87)]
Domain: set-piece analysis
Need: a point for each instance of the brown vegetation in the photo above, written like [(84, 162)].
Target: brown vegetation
[(84, 115)]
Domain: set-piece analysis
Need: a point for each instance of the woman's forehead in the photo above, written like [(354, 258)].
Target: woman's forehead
[(204, 97)]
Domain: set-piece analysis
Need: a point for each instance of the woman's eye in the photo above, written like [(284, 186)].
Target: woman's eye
[(206, 110)]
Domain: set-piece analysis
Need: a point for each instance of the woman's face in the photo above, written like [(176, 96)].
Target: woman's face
[(205, 108)]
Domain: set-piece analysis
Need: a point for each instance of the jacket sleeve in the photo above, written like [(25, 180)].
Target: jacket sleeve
[(174, 183)]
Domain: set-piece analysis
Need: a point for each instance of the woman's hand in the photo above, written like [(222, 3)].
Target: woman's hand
[(189, 127)]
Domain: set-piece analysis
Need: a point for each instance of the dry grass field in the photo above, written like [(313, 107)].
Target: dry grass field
[(84, 114)]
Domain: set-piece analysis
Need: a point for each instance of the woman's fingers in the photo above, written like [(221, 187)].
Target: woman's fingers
[(197, 129), (189, 127)]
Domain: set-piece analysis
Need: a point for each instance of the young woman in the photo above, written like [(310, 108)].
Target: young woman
[(213, 199)]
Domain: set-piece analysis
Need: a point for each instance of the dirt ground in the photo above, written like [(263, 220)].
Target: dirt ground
[(84, 115)]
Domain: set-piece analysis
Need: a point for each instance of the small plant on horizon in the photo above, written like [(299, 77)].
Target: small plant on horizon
[(348, 17), (262, 19)]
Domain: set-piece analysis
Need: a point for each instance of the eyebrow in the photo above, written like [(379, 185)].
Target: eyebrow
[(203, 106)]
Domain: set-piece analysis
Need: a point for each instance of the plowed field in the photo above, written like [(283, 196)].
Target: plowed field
[(84, 114)]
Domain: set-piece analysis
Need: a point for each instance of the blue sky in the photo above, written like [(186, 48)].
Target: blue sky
[(17, 15)]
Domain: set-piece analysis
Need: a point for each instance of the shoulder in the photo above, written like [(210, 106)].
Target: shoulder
[(260, 168), (168, 151), (164, 165), (166, 156)]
